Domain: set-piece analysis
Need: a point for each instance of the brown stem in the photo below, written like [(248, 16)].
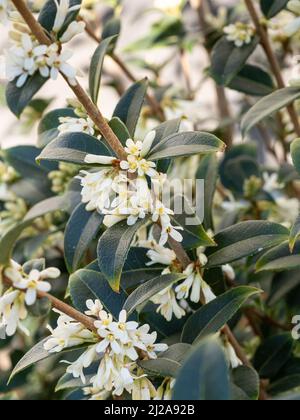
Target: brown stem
[(63, 307), (84, 99), (265, 42)]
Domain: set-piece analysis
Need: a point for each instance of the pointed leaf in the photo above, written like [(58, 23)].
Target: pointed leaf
[(295, 234), (210, 318), (88, 284), (96, 66), (228, 60), (280, 258), (83, 226), (73, 148), (146, 291), (268, 106), (245, 239), (295, 151), (130, 105), (186, 144), (113, 249)]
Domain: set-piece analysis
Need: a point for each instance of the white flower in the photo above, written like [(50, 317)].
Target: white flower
[(239, 33), (97, 189), (76, 125), (140, 166), (123, 381), (75, 28), (68, 333), (57, 61), (104, 321), (12, 311), (122, 328), (161, 255), (271, 182), (4, 11), (100, 160), (168, 305), (94, 307), (33, 282), (109, 340), (228, 271), (63, 9), (84, 361), (143, 389), (231, 356), (152, 348), (170, 231), (292, 28)]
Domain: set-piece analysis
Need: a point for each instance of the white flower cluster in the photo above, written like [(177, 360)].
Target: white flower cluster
[(116, 346), (173, 299), (240, 33), (25, 288), (26, 56), (121, 190)]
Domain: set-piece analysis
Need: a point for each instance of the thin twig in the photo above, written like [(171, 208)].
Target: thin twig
[(265, 42)]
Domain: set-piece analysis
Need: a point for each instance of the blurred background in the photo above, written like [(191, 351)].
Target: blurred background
[(137, 18)]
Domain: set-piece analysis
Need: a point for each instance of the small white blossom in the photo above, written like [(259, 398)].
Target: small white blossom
[(12, 312), (31, 283), (76, 125), (168, 304), (58, 63), (239, 33), (228, 271), (231, 356), (63, 9), (75, 28)]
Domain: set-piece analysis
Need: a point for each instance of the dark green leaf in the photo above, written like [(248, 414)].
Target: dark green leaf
[(9, 239), (112, 28), (268, 106), (18, 98), (113, 249), (271, 8), (204, 375), (247, 379), (212, 317), (83, 226), (295, 233), (168, 363), (273, 353), (280, 258), (228, 60), (186, 144), (245, 239), (146, 291), (88, 284), (208, 171), (73, 148), (284, 384), (96, 66), (252, 80), (120, 130), (130, 105)]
